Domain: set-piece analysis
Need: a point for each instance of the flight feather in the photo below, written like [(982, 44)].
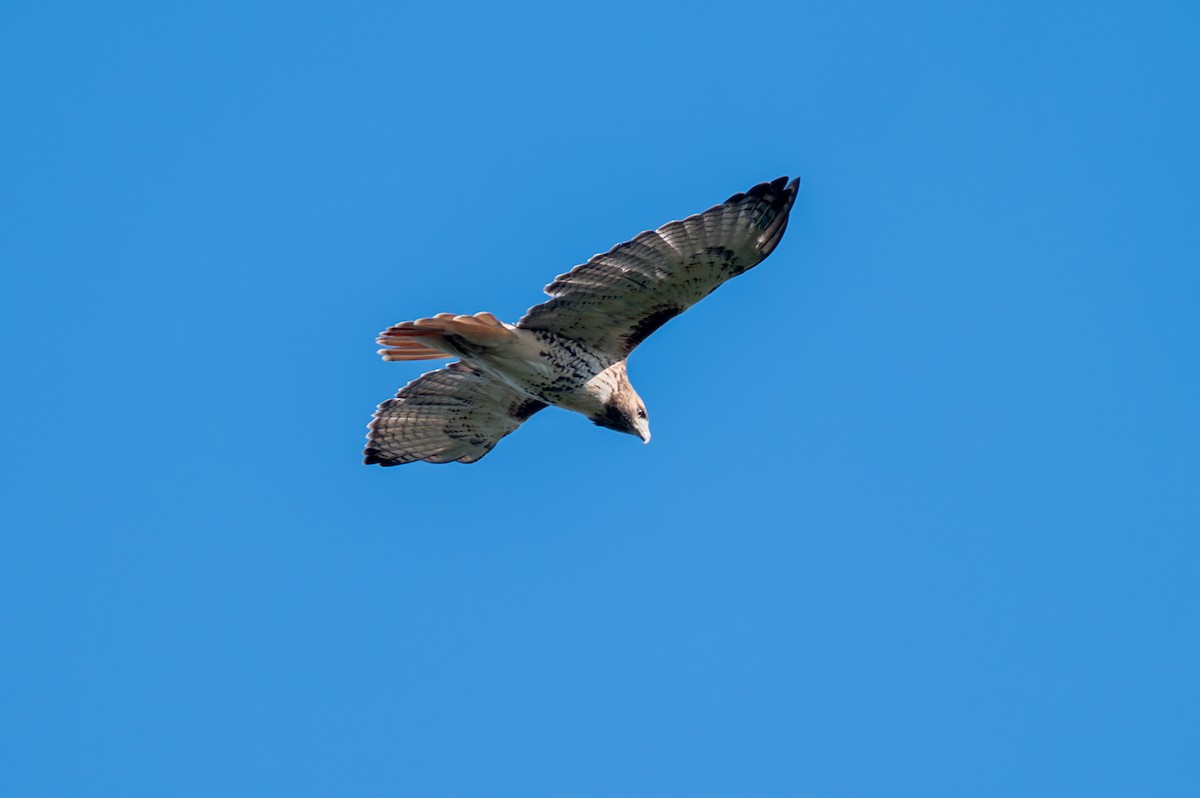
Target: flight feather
[(454, 414), (569, 351), (617, 299)]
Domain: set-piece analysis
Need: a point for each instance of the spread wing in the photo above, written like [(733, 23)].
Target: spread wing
[(616, 300), (456, 413)]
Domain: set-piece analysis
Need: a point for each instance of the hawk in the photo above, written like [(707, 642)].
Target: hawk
[(570, 351)]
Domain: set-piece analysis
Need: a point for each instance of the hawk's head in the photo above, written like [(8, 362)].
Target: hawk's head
[(622, 409), (627, 417)]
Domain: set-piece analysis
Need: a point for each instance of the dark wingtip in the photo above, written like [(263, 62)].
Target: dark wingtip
[(784, 194), (762, 189), (371, 457)]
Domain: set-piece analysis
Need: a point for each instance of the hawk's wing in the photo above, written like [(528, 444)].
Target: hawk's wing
[(615, 300), (456, 413)]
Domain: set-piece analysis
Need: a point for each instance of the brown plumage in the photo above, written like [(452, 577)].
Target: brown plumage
[(569, 351), (415, 340)]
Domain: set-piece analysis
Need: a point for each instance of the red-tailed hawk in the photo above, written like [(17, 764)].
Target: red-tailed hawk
[(569, 352)]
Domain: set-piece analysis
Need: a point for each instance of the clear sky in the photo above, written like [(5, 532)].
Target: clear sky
[(920, 515)]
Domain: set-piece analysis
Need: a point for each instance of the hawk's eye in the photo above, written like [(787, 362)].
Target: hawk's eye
[(641, 412)]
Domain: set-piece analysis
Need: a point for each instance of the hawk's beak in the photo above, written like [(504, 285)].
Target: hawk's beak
[(644, 434)]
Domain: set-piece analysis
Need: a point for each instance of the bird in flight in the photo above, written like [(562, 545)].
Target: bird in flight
[(570, 351)]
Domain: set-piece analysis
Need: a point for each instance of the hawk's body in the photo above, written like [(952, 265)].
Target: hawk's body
[(570, 351)]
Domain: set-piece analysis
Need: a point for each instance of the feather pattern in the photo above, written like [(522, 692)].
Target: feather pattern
[(615, 300), (455, 414), (570, 351)]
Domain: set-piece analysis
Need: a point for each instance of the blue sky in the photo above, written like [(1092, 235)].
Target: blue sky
[(920, 514)]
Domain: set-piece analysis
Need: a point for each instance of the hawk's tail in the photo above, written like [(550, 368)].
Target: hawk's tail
[(429, 339)]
